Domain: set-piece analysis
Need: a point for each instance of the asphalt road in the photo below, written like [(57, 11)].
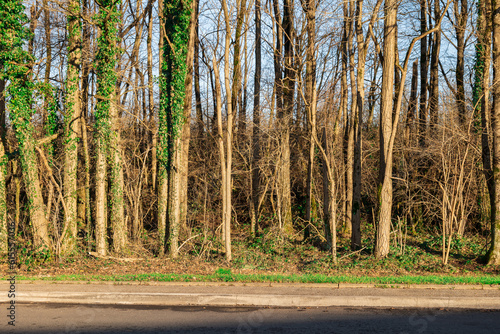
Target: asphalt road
[(65, 318)]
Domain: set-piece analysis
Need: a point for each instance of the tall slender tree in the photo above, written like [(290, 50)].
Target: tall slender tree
[(461, 13), (434, 69), (227, 162), (386, 128), (72, 126), (424, 66), (176, 21), (363, 43), (285, 88), (256, 175), (16, 65), (186, 126), (309, 8), (106, 136), (494, 251)]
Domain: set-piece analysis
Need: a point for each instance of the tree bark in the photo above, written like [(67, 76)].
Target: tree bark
[(424, 65), (100, 195), (48, 53), (481, 96), (412, 104), (434, 80), (362, 43), (197, 92), (107, 131), (346, 214), (229, 137), (19, 95), (461, 16), (256, 175), (84, 119), (176, 21), (288, 91), (151, 102), (351, 126), (236, 83), (186, 128), (494, 251), (118, 223), (309, 7), (72, 126), (329, 198), (385, 181)]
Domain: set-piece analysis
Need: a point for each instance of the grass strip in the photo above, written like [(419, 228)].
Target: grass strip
[(225, 276)]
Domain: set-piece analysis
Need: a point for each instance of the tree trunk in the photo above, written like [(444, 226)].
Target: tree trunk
[(412, 104), (176, 23), (48, 53), (285, 115), (236, 84), (72, 126), (154, 151), (494, 251), (186, 128), (372, 99), (481, 97), (284, 201), (350, 128), (18, 90), (220, 145), (19, 95), (256, 176), (84, 120), (343, 109), (424, 65), (309, 7), (329, 197), (107, 126), (151, 102), (197, 93), (362, 43), (386, 122), (86, 166), (100, 195), (461, 16), (118, 223), (229, 138), (434, 80)]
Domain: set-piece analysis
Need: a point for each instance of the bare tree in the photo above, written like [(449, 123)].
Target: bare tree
[(494, 252), (461, 11), (309, 7), (386, 129), (256, 175)]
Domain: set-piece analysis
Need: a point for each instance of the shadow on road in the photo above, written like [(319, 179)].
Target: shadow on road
[(95, 319)]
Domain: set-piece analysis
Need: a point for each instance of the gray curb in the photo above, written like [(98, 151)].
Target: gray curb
[(256, 294), (186, 299)]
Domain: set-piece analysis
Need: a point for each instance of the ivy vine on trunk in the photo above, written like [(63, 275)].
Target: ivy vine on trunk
[(107, 136), (176, 15), (16, 69)]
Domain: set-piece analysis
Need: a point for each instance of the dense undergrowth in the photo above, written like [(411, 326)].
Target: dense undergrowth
[(270, 257)]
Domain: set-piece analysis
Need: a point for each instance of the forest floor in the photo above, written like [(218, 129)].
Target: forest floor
[(273, 258)]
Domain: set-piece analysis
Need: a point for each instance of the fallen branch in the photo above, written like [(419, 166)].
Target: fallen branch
[(94, 254), (355, 252)]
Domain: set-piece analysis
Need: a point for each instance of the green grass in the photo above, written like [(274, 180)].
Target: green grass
[(225, 275)]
